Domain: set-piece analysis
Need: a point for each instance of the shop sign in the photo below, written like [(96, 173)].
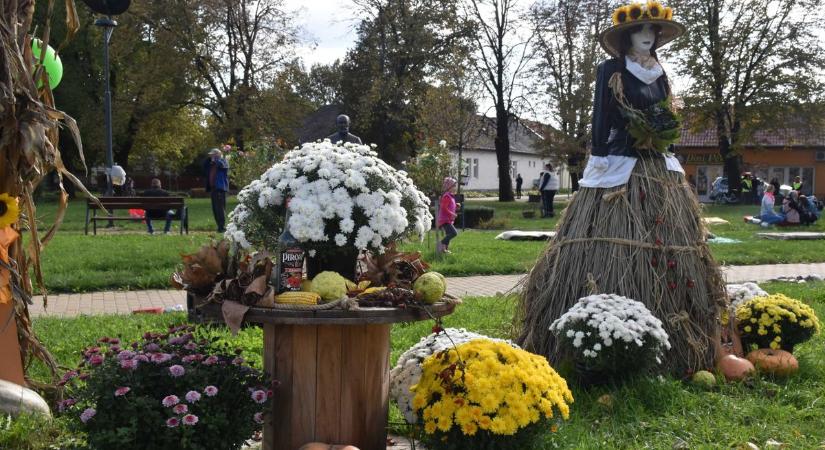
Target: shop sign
[(704, 158)]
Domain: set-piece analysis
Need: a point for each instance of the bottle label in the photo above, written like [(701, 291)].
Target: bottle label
[(291, 269)]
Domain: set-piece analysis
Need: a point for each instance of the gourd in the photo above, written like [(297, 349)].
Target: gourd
[(774, 362), (734, 368)]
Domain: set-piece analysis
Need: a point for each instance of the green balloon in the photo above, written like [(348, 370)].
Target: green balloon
[(52, 64)]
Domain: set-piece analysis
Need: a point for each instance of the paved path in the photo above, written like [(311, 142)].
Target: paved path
[(124, 302)]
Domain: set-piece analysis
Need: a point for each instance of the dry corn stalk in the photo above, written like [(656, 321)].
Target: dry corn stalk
[(29, 125)]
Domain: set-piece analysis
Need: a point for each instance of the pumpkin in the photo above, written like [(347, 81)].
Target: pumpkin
[(734, 368), (778, 363), (322, 446)]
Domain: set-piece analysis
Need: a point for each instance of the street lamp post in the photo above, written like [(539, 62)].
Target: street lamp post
[(108, 25)]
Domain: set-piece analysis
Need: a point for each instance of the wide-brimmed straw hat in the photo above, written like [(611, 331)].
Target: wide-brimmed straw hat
[(634, 14)]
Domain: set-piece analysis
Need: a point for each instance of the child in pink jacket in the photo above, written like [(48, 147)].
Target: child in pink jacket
[(447, 214)]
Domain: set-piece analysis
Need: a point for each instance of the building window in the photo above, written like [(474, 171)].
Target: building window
[(513, 169), (786, 175), (475, 167)]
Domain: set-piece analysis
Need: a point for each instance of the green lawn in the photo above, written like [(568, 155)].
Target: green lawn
[(132, 259), (652, 413)]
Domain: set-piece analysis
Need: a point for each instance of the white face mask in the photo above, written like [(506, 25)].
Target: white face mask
[(643, 39)]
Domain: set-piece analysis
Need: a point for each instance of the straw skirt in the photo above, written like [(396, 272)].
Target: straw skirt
[(644, 240)]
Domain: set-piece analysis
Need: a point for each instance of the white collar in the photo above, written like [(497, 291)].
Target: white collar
[(647, 76)]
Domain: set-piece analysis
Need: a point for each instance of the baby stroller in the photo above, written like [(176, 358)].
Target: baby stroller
[(719, 192)]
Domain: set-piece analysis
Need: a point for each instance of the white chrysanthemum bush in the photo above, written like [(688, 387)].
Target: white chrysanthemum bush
[(341, 196), (611, 334), (407, 371)]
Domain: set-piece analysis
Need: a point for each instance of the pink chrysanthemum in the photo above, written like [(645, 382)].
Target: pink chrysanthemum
[(193, 396), (129, 364), (96, 360), (259, 396), (177, 371), (180, 409), (238, 361), (66, 404), (121, 391), (87, 414), (210, 391), (160, 358), (210, 360), (170, 401), (151, 347), (125, 354), (258, 417), (190, 419), (172, 422)]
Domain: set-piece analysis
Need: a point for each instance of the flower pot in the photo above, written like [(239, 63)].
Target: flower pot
[(534, 198), (339, 259), (528, 214)]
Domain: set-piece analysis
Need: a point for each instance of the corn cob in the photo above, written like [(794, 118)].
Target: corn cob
[(371, 290), (298, 298)]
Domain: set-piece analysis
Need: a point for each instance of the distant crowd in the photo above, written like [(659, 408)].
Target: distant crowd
[(795, 208)]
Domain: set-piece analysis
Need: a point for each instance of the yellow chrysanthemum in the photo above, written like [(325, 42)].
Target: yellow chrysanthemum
[(9, 211), (510, 390), (668, 13), (635, 11), (655, 10), (621, 15)]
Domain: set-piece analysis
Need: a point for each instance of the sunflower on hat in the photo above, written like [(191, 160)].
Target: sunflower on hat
[(628, 16), (9, 211)]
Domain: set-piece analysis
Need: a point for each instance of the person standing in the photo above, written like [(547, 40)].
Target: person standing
[(548, 186), (216, 170), (157, 191), (447, 214), (519, 183)]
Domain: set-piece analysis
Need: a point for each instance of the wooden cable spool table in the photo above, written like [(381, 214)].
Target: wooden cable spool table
[(333, 366)]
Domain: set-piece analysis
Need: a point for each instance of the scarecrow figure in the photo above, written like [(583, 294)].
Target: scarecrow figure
[(634, 227)]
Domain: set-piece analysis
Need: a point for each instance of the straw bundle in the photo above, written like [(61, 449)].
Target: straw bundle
[(644, 240)]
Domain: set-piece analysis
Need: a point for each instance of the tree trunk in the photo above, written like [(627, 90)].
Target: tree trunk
[(124, 146), (505, 185)]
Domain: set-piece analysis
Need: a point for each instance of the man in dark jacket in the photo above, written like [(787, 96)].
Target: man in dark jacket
[(157, 191), (216, 170)]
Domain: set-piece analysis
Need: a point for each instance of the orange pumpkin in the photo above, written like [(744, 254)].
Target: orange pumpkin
[(323, 446), (734, 368), (774, 362)]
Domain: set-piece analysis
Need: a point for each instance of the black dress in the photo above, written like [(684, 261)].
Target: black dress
[(610, 136)]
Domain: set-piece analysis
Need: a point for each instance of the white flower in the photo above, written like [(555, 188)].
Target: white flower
[(351, 189), (610, 318)]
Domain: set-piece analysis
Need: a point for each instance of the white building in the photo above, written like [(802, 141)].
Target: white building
[(480, 165)]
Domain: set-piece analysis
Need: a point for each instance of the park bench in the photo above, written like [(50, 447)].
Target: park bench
[(112, 204)]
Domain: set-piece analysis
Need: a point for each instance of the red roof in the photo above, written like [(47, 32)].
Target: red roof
[(785, 137)]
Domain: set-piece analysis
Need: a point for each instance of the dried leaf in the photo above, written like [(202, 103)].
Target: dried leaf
[(196, 276), (257, 287), (176, 281), (268, 300), (233, 313)]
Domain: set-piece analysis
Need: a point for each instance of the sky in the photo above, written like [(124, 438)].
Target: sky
[(328, 29)]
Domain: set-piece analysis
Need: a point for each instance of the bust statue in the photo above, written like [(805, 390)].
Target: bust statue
[(343, 134)]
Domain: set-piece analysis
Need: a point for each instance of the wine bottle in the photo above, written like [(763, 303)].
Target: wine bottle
[(289, 264)]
